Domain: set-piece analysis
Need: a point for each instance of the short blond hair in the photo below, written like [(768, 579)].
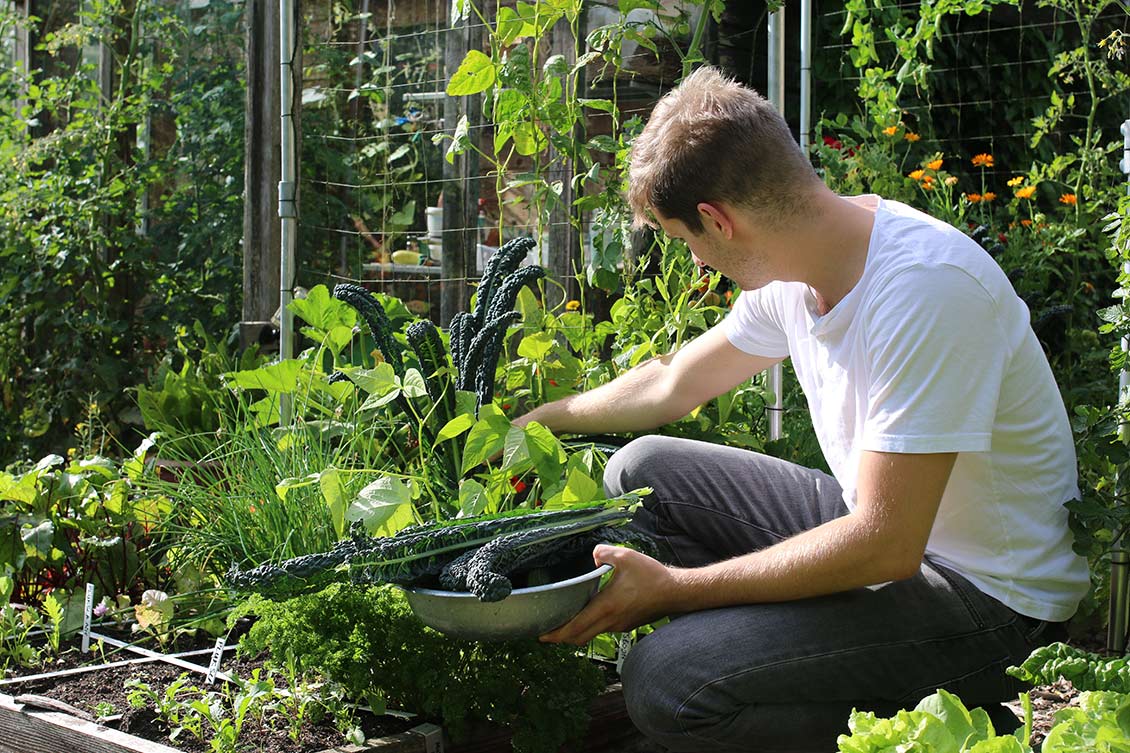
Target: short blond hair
[(712, 139)]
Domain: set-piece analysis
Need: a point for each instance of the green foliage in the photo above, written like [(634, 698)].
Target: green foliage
[(86, 294), (368, 640), (940, 723), (186, 400), (1100, 724), (1085, 670), (217, 717), (68, 523)]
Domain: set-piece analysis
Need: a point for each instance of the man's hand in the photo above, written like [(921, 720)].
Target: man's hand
[(637, 594)]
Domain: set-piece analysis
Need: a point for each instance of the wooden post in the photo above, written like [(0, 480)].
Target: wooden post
[(460, 183), (262, 169), (565, 254)]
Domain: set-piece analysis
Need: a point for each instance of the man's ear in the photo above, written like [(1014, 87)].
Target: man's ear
[(716, 216)]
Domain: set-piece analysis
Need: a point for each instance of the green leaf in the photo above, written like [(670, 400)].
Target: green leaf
[(475, 74), (512, 27), (529, 139), (473, 498), (377, 502), (460, 142), (333, 492), (276, 377), (376, 381), (516, 450), (413, 384), (536, 346), (455, 427), (604, 105), (485, 440), (320, 309), (38, 539)]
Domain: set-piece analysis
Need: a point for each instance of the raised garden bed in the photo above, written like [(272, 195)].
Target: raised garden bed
[(55, 711)]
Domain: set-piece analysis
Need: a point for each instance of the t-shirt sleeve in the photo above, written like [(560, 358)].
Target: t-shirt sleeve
[(937, 354), (754, 325)]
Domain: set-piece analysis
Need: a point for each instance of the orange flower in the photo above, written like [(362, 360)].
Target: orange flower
[(1014, 182), (988, 196), (935, 165), (1026, 192), (927, 181), (974, 198), (1026, 223), (916, 174), (1068, 199), (911, 137), (891, 131), (983, 160)]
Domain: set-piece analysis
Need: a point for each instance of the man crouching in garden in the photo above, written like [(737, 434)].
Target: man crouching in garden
[(939, 551)]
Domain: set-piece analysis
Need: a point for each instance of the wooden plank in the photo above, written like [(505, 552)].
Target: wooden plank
[(262, 231), (563, 254), (460, 182), (51, 732)]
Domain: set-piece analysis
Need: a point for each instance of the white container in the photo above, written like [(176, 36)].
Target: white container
[(435, 221)]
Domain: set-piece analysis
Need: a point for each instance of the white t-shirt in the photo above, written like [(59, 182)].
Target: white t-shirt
[(933, 351)]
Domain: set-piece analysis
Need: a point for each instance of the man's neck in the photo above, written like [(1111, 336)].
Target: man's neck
[(832, 250)]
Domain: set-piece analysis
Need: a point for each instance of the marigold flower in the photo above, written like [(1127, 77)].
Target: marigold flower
[(916, 174), (988, 196), (911, 136), (1014, 182), (983, 160), (935, 164), (951, 180), (572, 305), (1026, 192), (1068, 198), (891, 131), (974, 198), (928, 180), (1026, 223), (926, 186)]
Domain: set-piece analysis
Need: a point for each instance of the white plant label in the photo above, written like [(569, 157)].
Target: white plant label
[(623, 646), (87, 613), (217, 655)]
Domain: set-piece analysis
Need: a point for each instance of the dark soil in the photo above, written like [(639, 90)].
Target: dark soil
[(96, 691)]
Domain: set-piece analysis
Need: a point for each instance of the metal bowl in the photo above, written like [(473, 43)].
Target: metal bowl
[(525, 613)]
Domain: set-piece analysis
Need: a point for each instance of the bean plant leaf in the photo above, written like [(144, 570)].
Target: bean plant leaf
[(486, 438), (377, 502), (529, 139), (460, 142), (536, 346), (413, 384), (473, 498), (333, 492), (455, 427), (475, 74), (512, 27)]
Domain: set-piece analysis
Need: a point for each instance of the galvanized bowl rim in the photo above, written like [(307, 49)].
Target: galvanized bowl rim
[(518, 591)]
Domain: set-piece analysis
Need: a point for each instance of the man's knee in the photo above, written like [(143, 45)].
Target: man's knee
[(636, 463), (651, 694)]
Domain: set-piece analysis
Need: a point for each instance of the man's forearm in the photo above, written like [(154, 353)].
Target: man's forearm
[(637, 400), (840, 555)]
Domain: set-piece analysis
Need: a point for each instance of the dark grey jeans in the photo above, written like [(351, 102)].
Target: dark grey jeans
[(785, 676)]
